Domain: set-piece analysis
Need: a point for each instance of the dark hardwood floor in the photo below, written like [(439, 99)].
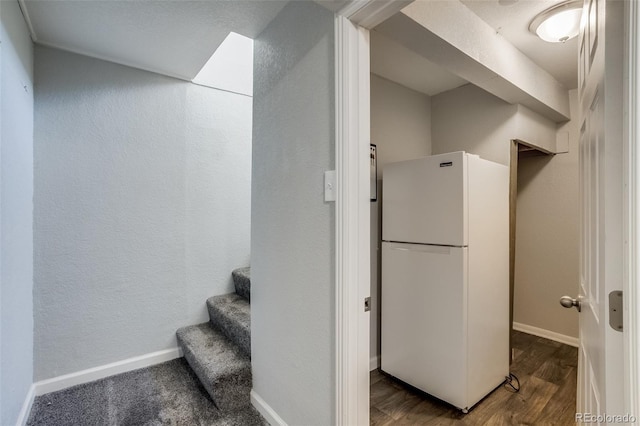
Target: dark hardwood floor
[(547, 373)]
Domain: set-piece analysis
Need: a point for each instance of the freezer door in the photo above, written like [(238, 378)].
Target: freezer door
[(424, 200), (424, 299)]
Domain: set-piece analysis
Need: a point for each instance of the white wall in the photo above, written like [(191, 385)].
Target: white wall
[(547, 236), (470, 119), (401, 130), (293, 229), (400, 122), (142, 208), (16, 201)]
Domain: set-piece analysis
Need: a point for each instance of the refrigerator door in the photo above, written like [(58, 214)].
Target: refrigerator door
[(424, 299), (425, 200)]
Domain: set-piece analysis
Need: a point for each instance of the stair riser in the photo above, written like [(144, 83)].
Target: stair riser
[(234, 331), (221, 367), (242, 282), (228, 393)]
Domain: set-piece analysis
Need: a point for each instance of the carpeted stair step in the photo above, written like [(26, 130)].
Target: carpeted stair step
[(242, 282), (230, 313), (223, 369)]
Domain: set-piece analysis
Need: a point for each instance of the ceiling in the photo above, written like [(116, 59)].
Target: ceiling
[(512, 22), (416, 72), (178, 37), (509, 18), (174, 38)]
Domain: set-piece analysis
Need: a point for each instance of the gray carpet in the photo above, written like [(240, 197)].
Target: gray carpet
[(220, 365), (242, 282), (165, 394), (231, 314)]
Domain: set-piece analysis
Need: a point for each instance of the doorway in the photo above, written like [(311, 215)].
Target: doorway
[(544, 257), (537, 360), (367, 191), (631, 384)]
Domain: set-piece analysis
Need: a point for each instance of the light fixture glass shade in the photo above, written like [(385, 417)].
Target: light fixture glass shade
[(559, 23)]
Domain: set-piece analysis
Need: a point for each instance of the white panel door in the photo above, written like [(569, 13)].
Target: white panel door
[(424, 200), (424, 298), (600, 380)]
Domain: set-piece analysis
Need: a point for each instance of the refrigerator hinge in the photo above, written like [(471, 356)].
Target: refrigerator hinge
[(367, 304)]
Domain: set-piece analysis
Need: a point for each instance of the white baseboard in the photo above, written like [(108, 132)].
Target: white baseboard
[(26, 407), (97, 373), (551, 335), (265, 409), (374, 362)]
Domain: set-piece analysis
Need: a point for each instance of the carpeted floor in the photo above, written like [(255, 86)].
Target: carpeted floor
[(165, 394)]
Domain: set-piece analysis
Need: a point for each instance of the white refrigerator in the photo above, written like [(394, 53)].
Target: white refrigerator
[(445, 275)]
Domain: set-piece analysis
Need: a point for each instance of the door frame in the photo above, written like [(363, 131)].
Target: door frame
[(352, 205), (352, 221)]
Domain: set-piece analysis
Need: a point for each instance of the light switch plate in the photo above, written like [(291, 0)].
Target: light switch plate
[(330, 185)]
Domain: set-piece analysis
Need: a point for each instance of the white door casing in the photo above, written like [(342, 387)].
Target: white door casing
[(352, 204), (600, 352), (352, 223)]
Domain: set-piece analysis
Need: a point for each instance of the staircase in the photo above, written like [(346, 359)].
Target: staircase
[(219, 351)]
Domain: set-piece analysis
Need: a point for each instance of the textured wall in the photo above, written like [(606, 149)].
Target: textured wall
[(292, 238), (142, 208), (401, 130), (16, 201), (547, 236)]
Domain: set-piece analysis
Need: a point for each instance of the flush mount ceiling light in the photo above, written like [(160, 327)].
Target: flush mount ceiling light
[(558, 23)]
